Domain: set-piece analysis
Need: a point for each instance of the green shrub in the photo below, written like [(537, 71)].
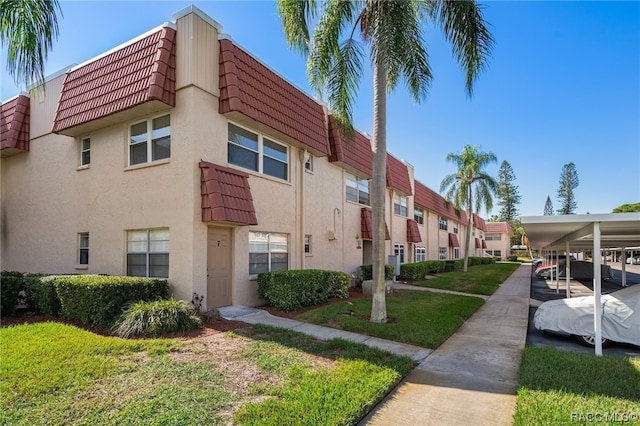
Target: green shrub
[(413, 271), (291, 290), (367, 272), (458, 264), (435, 266), (339, 284), (41, 295), (11, 284), (98, 300), (157, 318), (512, 258)]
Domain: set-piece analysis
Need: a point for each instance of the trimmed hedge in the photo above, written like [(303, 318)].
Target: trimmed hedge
[(11, 284), (41, 294), (418, 270), (99, 300), (366, 272), (293, 289)]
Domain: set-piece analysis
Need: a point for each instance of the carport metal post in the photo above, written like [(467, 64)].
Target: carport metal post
[(567, 270), (597, 289), (624, 266), (557, 268)]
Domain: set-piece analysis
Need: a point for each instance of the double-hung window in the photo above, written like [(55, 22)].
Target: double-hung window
[(357, 190), (421, 254), (456, 253), (442, 253), (400, 204), (150, 140), (85, 152), (442, 223), (83, 248), (398, 250), (256, 152), (418, 216), (307, 244), (148, 253), (268, 252)]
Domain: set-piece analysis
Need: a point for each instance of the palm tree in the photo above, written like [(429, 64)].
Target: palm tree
[(28, 28), (392, 33), (470, 187)]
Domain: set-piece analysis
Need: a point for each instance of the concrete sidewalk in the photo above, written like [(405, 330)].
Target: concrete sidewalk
[(472, 378)]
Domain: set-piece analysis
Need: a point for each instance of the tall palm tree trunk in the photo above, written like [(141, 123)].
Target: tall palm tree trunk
[(379, 184), (467, 246)]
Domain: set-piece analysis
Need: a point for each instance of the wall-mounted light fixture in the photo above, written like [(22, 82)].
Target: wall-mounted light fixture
[(358, 241)]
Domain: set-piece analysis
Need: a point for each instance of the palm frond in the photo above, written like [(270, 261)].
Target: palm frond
[(295, 16), (28, 28)]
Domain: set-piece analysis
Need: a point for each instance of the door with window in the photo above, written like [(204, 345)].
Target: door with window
[(218, 267)]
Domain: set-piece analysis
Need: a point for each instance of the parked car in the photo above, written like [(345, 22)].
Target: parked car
[(538, 261), (633, 260), (580, 270), (574, 317)]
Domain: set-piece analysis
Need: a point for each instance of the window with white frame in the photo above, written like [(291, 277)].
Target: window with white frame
[(442, 223), (455, 228), (421, 254), (148, 253), (268, 252), (83, 248), (442, 253), (357, 190), (256, 152), (150, 140), (400, 205), (308, 163), (456, 253), (493, 237), (418, 215), (496, 253), (307, 244), (398, 250), (85, 151)]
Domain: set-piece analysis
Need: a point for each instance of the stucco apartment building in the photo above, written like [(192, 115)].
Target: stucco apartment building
[(180, 155)]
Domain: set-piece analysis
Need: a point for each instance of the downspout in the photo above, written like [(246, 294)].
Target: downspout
[(303, 159)]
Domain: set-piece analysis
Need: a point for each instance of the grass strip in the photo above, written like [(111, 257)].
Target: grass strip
[(479, 279)]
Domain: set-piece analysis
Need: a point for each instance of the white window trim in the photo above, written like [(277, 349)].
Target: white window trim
[(402, 202), (357, 180), (260, 153), (80, 248), (147, 252), (423, 253), (149, 161), (269, 252), (308, 241), (84, 165)]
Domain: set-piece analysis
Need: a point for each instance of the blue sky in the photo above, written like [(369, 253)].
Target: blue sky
[(563, 85)]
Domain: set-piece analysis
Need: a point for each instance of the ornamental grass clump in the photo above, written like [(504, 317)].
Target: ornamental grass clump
[(157, 318)]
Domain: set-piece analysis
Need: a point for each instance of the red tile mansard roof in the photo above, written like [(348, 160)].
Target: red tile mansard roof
[(356, 154), (430, 200), (499, 228), (413, 233), (139, 72), (366, 225), (14, 125), (226, 195), (252, 89), (398, 175), (484, 244), (479, 222), (478, 243)]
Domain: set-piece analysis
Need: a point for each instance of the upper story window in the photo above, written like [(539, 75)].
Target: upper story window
[(308, 163), (150, 140), (358, 190), (442, 223), (493, 237), (85, 152), (455, 229), (418, 215), (256, 152), (400, 204)]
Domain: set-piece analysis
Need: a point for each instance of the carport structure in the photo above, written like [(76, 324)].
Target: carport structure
[(594, 232)]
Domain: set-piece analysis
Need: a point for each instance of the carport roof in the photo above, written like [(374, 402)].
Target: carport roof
[(552, 232)]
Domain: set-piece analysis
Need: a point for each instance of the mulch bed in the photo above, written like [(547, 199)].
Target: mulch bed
[(209, 327)]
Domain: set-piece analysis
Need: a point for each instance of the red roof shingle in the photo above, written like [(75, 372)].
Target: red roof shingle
[(226, 195), (366, 225), (413, 233), (453, 240), (499, 228), (249, 87), (137, 73), (429, 199), (14, 125), (398, 175), (356, 153)]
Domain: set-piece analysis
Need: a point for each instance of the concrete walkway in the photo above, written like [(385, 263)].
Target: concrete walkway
[(472, 378)]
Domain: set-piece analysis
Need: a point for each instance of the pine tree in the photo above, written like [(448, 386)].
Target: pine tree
[(508, 196), (568, 182), (548, 207)]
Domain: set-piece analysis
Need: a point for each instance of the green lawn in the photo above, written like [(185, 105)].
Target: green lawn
[(56, 374), (419, 318), (479, 279), (558, 387)]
